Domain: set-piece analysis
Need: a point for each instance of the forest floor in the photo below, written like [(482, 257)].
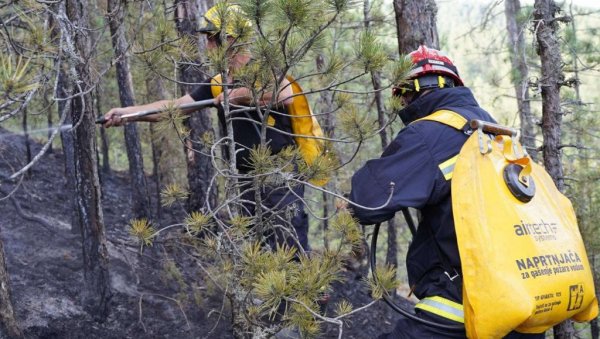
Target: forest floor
[(44, 260)]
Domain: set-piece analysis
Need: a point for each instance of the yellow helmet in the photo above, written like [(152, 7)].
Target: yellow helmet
[(236, 23)]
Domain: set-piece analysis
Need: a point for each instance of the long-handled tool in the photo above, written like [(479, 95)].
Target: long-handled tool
[(197, 104)]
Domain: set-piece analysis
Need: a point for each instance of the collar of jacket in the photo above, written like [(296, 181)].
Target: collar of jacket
[(436, 100)]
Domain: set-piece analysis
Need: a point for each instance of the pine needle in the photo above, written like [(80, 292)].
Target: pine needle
[(370, 53), (196, 221), (343, 307), (142, 230), (386, 281), (172, 193)]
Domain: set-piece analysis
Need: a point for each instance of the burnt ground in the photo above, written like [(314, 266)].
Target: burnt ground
[(44, 264)]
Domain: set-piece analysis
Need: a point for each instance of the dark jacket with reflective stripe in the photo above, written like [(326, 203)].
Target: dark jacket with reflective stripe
[(412, 161)]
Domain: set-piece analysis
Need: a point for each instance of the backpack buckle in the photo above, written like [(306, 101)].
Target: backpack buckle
[(456, 275)]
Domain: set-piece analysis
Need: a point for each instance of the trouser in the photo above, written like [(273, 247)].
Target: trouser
[(287, 209), (412, 329)]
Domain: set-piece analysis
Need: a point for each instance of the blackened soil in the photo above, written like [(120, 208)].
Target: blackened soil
[(44, 259)]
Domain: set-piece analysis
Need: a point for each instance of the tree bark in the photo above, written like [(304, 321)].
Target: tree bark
[(68, 147), (27, 143), (104, 149), (516, 28), (46, 102), (8, 322), (594, 328), (139, 187), (392, 245), (155, 90), (328, 125), (96, 284), (66, 136), (552, 78), (416, 24), (200, 169)]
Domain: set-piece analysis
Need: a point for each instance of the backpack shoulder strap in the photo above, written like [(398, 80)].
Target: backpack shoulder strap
[(215, 85), (447, 117)]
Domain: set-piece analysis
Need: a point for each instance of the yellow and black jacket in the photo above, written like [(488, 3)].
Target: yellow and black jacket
[(247, 126), (420, 161)]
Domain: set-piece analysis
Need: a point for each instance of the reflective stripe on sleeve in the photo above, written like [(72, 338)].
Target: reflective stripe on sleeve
[(447, 167), (443, 307)]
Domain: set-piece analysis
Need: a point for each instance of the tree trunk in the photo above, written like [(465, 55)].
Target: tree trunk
[(327, 123), (103, 137), (594, 328), (552, 78), (550, 83), (66, 137), (96, 284), (200, 168), (46, 102), (416, 24), (156, 91), (392, 245), (8, 323), (516, 28), (27, 143), (139, 188)]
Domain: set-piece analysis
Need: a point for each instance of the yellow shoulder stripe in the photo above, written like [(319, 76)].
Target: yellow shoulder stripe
[(446, 117)]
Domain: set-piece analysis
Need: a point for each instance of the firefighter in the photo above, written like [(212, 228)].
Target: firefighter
[(246, 125), (420, 162)]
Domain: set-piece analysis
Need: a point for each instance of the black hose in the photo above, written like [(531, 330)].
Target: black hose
[(409, 221), (389, 300)]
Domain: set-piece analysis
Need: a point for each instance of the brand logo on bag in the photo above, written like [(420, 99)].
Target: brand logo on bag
[(575, 297), (540, 231)]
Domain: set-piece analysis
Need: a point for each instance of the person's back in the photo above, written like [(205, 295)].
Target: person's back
[(419, 162), (246, 124)]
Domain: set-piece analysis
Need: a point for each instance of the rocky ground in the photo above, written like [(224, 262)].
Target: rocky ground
[(44, 264)]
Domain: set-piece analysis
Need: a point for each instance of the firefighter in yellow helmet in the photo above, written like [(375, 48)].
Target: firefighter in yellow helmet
[(237, 26), (226, 26)]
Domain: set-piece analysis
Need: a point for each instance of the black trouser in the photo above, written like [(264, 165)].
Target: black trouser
[(280, 198), (412, 329)]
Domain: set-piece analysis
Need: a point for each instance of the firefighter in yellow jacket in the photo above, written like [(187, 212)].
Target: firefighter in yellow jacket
[(247, 124)]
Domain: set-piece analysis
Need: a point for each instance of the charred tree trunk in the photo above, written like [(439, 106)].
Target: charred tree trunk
[(416, 24), (200, 170), (66, 136), (546, 28), (68, 146), (8, 323), (139, 187), (96, 284), (515, 28)]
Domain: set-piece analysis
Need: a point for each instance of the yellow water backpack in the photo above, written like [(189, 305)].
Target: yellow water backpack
[(305, 127), (523, 260)]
